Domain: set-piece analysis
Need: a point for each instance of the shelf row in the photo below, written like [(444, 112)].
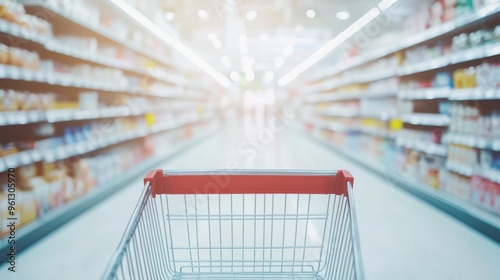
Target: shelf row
[(481, 220), (53, 10), (323, 97), (472, 141), (64, 115), (54, 47), (432, 33), (440, 62), (413, 94), (83, 147), (55, 217), (68, 80)]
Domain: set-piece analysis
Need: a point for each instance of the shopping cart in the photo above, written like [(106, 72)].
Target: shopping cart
[(248, 224)]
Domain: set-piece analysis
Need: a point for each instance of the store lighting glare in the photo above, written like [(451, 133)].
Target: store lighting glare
[(169, 16), (161, 35), (386, 4), (343, 15), (278, 62), (235, 76), (288, 50), (243, 44), (217, 44), (212, 36), (310, 13), (203, 14), (269, 76), (225, 60), (329, 46), (251, 15), (250, 76)]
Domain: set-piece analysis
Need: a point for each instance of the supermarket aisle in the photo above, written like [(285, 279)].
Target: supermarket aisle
[(401, 236)]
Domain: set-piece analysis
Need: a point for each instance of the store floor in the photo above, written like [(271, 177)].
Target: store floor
[(402, 237)]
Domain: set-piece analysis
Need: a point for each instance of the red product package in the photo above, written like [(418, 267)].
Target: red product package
[(485, 193)]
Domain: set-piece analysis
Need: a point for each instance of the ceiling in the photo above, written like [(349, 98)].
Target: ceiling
[(255, 37)]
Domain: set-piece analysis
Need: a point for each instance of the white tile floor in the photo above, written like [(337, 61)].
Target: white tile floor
[(401, 236)]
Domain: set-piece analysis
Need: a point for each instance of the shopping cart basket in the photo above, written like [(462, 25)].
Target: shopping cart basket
[(247, 224)]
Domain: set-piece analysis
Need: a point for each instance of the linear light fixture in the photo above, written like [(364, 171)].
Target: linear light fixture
[(335, 42), (160, 34)]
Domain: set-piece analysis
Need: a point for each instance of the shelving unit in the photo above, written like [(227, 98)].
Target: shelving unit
[(483, 221), (429, 121), (156, 107)]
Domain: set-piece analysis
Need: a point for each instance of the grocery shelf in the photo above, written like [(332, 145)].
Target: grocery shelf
[(358, 79), (344, 113), (451, 59), (478, 219), (54, 47), (426, 119), (54, 11), (379, 133), (91, 145), (326, 125), (429, 34), (328, 97), (423, 146), (459, 168), (428, 93), (68, 80), (475, 94), (469, 171), (428, 65), (55, 218), (65, 115), (60, 79), (474, 141)]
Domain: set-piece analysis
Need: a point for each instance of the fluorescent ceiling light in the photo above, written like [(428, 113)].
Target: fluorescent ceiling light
[(310, 13), (217, 43), (278, 62), (235, 76), (251, 15), (269, 76), (169, 16), (225, 60), (161, 35), (386, 4), (343, 15), (288, 50), (329, 46), (212, 36), (203, 14)]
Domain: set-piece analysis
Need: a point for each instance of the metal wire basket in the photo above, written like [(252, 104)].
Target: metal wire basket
[(251, 224)]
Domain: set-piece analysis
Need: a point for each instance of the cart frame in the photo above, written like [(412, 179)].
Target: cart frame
[(149, 246)]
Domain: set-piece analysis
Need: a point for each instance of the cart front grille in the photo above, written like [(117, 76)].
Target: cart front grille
[(239, 236)]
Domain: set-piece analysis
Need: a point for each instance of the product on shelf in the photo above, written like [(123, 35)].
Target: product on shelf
[(14, 12), (19, 57), (485, 194)]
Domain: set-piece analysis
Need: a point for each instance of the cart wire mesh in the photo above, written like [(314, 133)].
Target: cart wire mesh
[(240, 236)]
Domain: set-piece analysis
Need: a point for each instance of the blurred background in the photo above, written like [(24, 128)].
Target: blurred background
[(404, 94)]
